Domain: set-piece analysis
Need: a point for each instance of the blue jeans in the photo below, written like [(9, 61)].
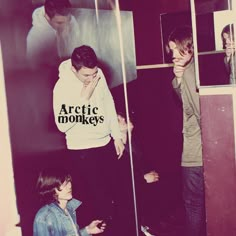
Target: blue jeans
[(194, 200)]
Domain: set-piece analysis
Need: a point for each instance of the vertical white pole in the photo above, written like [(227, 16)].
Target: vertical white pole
[(119, 25), (194, 30)]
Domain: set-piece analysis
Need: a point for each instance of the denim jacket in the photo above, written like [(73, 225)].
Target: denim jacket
[(51, 220)]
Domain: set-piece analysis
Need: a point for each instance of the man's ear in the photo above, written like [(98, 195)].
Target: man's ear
[(55, 195), (47, 17)]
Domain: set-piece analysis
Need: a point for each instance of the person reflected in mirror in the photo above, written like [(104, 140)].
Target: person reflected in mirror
[(150, 176), (227, 36), (180, 45), (57, 216), (53, 35), (84, 111), (143, 175)]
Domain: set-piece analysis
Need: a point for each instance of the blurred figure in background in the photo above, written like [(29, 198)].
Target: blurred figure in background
[(143, 173), (150, 176), (53, 35)]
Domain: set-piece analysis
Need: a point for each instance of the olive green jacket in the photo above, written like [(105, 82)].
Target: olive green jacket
[(187, 91)]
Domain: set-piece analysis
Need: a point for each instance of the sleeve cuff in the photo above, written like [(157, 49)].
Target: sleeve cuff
[(84, 232), (116, 136)]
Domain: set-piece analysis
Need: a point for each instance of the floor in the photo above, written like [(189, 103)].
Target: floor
[(171, 225)]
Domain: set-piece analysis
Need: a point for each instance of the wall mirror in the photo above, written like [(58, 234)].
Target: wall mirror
[(209, 20), (107, 26)]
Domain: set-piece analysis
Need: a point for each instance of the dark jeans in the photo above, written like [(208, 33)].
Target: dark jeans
[(194, 200), (97, 183), (94, 178)]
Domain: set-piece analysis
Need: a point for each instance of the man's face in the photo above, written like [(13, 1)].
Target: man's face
[(86, 75), (65, 191), (178, 57), (59, 22), (227, 39)]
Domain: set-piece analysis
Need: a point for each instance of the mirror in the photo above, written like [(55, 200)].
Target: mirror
[(93, 23), (31, 59), (210, 18)]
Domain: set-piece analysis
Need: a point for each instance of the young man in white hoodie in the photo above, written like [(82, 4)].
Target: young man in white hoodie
[(53, 35), (84, 110)]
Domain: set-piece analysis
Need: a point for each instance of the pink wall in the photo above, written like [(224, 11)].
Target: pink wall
[(219, 164)]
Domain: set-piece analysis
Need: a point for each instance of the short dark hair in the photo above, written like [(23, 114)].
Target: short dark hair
[(84, 56), (57, 7), (228, 29), (183, 38), (48, 181)]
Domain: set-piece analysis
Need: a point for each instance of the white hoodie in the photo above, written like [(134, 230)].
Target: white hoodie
[(43, 43), (100, 119)]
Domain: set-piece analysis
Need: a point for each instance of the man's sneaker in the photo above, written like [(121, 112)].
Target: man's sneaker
[(146, 231)]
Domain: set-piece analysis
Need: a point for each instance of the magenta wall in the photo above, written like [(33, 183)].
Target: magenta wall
[(219, 164)]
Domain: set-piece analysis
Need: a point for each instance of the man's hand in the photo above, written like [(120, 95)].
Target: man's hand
[(88, 89), (179, 69), (120, 147), (64, 31), (151, 177), (93, 229), (230, 50)]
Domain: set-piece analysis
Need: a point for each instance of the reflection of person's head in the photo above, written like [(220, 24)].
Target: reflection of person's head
[(180, 44), (227, 35), (53, 185), (122, 121), (58, 13), (84, 64), (121, 118), (124, 126)]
